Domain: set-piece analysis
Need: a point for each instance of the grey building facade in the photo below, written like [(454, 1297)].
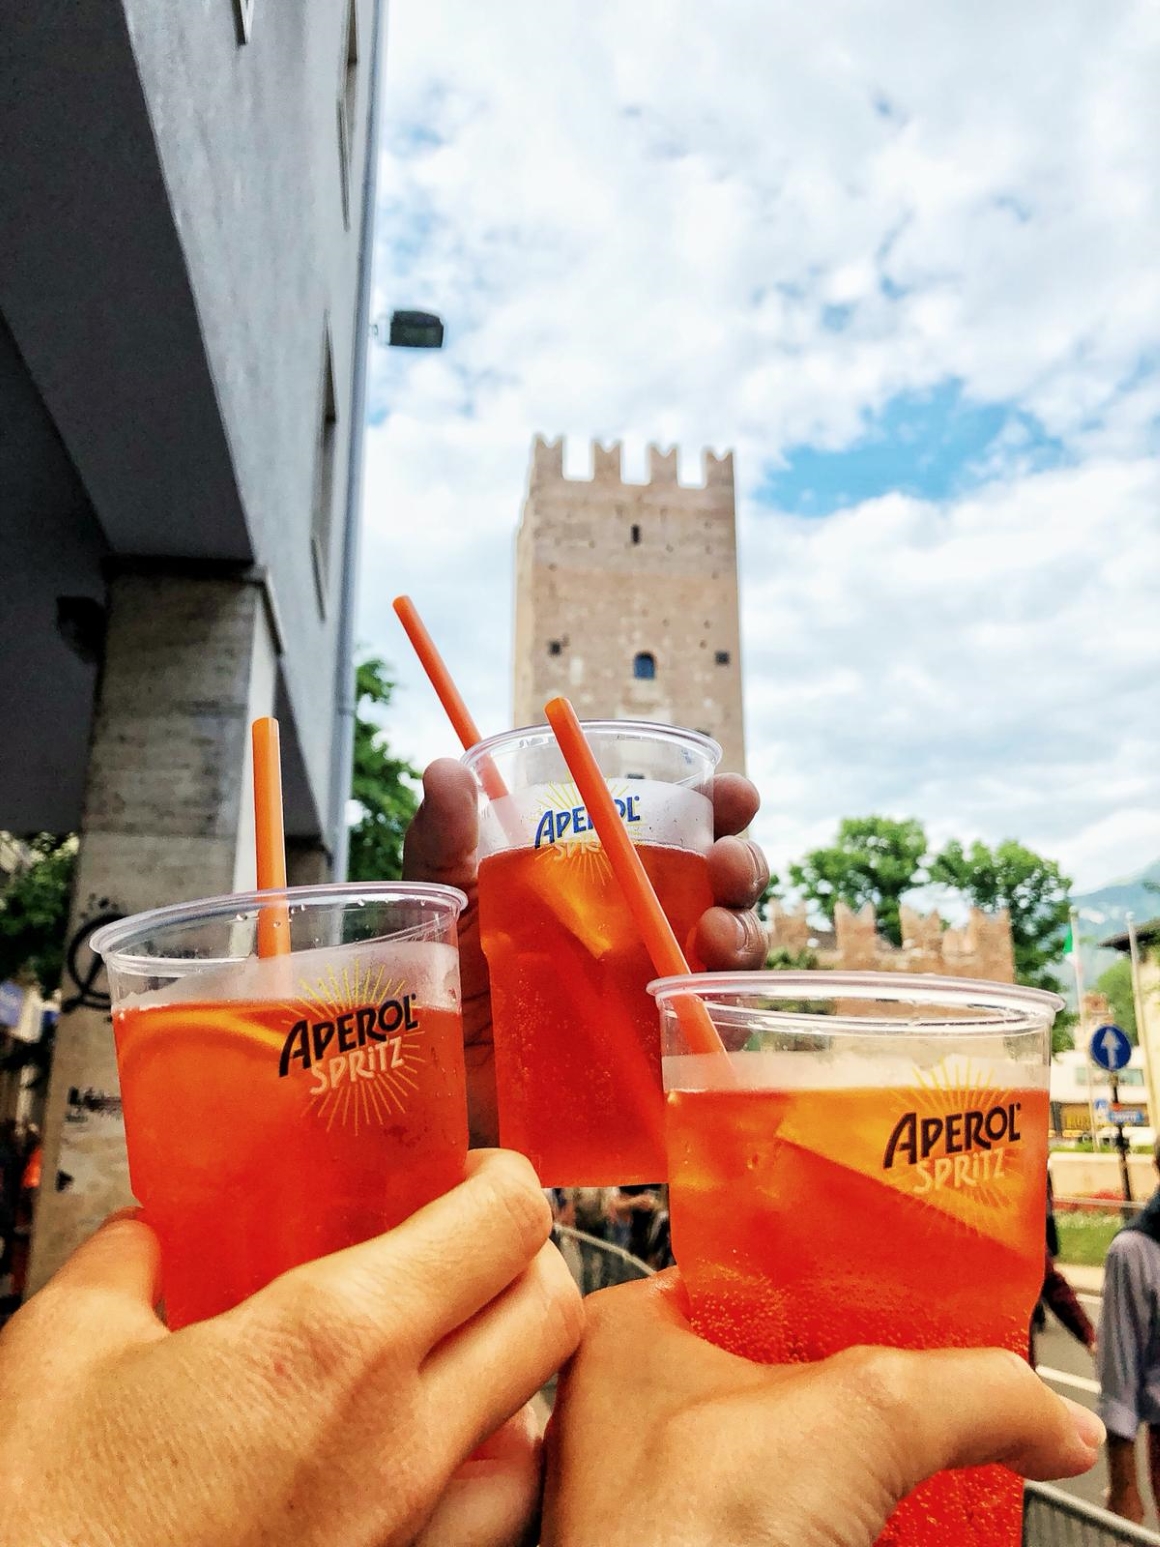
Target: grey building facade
[(185, 207)]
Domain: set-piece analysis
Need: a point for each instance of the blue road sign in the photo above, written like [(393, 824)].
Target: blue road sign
[(1110, 1048), (1127, 1117)]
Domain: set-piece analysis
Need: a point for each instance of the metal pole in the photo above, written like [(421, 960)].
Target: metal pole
[(345, 705), (1141, 1029), (1073, 918), (1122, 1147)]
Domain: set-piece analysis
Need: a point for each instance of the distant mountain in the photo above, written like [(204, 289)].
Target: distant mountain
[(1105, 912)]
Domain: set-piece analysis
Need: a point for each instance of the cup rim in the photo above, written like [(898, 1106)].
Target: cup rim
[(1039, 1006), (642, 730), (112, 939)]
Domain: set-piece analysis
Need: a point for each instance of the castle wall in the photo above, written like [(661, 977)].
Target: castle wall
[(606, 570), (980, 948)]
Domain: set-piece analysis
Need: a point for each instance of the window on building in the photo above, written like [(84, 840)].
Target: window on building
[(555, 647), (322, 520), (635, 533), (347, 103), (644, 666), (722, 657)]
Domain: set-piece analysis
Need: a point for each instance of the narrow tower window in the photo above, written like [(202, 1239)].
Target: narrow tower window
[(644, 666), (722, 658), (555, 646), (635, 533)]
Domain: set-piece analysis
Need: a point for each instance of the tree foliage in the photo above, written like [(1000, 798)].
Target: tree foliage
[(879, 860), (769, 896), (1033, 890), (34, 912), (876, 859), (381, 784), (1116, 986)]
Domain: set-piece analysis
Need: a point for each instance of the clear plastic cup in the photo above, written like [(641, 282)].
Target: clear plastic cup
[(577, 1054), (866, 1164), (280, 1108)]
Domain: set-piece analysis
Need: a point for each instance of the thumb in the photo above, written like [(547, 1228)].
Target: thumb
[(441, 842), (1000, 1411), (111, 1283), (494, 1497)]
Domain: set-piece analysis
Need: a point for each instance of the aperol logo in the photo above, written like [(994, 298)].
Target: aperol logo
[(563, 819), (957, 1136), (357, 1035), (952, 1150)]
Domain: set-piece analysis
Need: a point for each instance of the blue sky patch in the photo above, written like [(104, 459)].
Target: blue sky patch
[(931, 444)]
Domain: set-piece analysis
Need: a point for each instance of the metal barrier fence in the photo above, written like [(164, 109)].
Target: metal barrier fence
[(1097, 1205), (1052, 1518), (597, 1264)]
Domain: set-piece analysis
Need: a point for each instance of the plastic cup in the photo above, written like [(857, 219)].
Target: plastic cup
[(577, 1054), (875, 1174), (282, 1108)]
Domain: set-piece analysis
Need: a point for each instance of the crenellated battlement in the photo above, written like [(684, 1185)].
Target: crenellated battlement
[(979, 948), (548, 466)]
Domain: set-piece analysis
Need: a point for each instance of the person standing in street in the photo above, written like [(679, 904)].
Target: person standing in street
[(1128, 1356)]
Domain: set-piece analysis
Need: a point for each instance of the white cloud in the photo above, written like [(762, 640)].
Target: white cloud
[(634, 220)]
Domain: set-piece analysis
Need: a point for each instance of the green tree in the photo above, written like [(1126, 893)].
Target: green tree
[(1116, 986), (769, 896), (876, 859), (34, 912), (782, 959), (380, 784), (1033, 890)]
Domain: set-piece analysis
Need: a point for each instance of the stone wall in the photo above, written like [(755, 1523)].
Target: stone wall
[(980, 948), (607, 570)]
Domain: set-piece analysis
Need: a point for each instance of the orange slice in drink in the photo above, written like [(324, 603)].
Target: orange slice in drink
[(143, 1031), (574, 884)]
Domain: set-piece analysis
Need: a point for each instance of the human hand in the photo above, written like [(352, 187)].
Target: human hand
[(329, 1410), (441, 846), (1123, 1495), (659, 1437)]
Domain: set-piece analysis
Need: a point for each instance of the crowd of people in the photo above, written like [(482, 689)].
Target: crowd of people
[(630, 1220)]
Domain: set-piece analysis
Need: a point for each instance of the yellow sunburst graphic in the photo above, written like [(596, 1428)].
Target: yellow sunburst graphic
[(376, 1081), (586, 853), (978, 1185)]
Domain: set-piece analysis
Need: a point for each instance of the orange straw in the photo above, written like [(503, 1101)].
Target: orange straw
[(449, 695), (655, 929), (270, 837)]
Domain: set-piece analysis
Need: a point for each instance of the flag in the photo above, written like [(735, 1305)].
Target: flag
[(1068, 943)]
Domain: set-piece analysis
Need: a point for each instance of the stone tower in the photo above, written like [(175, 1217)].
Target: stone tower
[(626, 595)]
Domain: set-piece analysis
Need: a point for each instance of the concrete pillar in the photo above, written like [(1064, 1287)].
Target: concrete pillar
[(189, 661), (308, 863)]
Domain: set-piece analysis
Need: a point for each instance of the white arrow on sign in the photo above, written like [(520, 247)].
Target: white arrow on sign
[(1109, 1044)]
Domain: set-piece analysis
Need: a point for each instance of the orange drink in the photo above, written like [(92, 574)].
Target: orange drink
[(577, 1051), (277, 1110), (578, 1059), (869, 1168)]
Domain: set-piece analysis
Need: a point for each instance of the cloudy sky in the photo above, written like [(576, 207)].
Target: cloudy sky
[(903, 260)]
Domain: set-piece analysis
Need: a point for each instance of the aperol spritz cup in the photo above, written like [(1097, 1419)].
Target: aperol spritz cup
[(279, 1108), (577, 1052), (866, 1164)]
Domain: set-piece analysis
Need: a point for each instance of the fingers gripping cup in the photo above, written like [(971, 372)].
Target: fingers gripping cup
[(280, 1108), (867, 1165), (577, 1053)]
